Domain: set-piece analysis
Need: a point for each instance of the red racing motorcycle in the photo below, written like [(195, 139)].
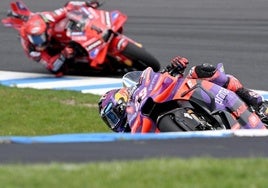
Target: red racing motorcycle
[(97, 37)]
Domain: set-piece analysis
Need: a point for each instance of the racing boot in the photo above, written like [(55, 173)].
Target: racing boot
[(255, 102), (252, 98), (246, 119), (262, 111)]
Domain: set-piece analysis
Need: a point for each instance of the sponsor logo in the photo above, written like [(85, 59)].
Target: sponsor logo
[(221, 95), (94, 53), (77, 3), (114, 15), (107, 19), (190, 83), (78, 36), (93, 45)]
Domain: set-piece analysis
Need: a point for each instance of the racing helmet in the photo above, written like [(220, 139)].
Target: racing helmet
[(112, 109), (36, 31)]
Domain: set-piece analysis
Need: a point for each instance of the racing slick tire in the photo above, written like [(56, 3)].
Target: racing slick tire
[(142, 59), (167, 124)]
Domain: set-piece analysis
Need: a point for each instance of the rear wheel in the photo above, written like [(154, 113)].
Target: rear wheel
[(141, 58)]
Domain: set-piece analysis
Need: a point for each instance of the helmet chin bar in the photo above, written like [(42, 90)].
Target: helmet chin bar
[(41, 48)]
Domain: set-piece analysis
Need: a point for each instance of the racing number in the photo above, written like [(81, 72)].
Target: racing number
[(140, 97)]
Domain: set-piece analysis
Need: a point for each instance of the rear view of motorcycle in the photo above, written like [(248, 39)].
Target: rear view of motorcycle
[(95, 35)]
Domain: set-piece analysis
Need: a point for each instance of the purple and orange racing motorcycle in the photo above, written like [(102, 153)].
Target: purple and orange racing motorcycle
[(181, 104)]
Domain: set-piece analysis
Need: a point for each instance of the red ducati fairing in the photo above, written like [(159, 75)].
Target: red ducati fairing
[(97, 35)]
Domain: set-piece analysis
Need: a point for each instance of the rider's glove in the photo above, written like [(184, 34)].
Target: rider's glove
[(177, 66), (36, 56), (179, 63)]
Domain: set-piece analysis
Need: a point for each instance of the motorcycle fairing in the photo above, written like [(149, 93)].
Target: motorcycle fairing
[(90, 28), (81, 24), (155, 89), (117, 18), (20, 8)]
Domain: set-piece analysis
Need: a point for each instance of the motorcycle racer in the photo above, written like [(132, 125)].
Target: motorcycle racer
[(119, 107), (44, 40)]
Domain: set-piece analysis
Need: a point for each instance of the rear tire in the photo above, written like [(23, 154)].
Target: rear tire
[(142, 59)]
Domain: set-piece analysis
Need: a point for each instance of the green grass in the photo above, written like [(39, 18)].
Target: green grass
[(157, 173), (46, 112)]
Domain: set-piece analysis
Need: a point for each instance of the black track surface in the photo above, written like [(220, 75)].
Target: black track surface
[(127, 150)]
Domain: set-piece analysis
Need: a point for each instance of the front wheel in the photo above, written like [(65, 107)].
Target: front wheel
[(177, 121), (182, 119), (140, 57), (167, 124)]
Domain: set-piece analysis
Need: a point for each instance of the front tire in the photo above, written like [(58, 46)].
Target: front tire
[(182, 119), (140, 57), (177, 120), (166, 124)]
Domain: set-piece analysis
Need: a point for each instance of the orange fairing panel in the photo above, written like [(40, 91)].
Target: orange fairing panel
[(146, 125), (185, 86), (161, 83)]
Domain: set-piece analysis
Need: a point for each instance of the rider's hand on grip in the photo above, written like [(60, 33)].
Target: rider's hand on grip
[(179, 62), (178, 65), (36, 56)]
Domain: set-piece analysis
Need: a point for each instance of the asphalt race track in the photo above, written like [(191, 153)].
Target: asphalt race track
[(128, 150), (234, 32)]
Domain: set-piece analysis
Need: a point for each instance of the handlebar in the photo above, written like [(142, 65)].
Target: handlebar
[(173, 71)]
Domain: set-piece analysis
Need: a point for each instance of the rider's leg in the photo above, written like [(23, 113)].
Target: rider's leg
[(217, 75), (241, 112)]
